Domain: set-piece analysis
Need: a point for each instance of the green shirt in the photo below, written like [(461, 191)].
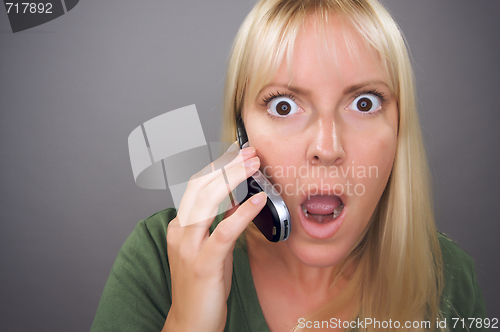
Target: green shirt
[(137, 295)]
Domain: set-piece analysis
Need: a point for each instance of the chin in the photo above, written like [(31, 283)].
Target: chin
[(316, 254)]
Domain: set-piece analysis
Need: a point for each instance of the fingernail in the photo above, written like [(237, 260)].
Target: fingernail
[(248, 151), (259, 198), (252, 162)]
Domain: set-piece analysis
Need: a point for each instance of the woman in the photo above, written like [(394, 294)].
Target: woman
[(325, 89)]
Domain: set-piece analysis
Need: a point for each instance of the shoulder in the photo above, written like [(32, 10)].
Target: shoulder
[(148, 239), (155, 226), (454, 258), (462, 297), (136, 296)]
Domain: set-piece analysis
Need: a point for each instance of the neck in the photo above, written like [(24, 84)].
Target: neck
[(278, 261)]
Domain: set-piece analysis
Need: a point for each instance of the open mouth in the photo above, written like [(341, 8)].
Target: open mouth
[(322, 209), (321, 216)]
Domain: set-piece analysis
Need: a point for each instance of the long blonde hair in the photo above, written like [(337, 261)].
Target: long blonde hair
[(399, 274)]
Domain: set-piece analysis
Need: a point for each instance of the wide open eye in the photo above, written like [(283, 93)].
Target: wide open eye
[(282, 106), (366, 103)]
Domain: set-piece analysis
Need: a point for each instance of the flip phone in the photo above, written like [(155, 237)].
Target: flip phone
[(274, 219)]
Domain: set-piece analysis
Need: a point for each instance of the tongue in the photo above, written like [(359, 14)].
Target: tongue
[(322, 204)]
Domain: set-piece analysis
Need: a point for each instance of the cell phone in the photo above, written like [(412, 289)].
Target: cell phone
[(274, 219)]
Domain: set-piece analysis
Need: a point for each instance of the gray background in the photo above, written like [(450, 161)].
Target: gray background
[(72, 90)]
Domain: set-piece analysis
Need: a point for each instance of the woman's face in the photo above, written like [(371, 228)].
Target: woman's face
[(326, 134)]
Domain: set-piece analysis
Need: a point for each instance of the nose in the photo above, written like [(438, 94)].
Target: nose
[(326, 147)]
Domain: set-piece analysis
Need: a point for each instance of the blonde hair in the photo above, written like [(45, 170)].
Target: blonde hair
[(399, 274)]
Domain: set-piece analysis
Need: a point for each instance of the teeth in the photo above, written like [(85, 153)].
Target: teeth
[(336, 212), (304, 209)]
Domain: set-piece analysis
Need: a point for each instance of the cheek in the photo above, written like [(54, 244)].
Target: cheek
[(379, 149), (281, 159), (274, 150), (374, 158), (277, 141)]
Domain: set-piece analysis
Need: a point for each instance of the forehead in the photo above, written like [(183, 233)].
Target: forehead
[(332, 53)]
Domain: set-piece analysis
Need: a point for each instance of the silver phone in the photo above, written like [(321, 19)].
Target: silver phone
[(274, 219)]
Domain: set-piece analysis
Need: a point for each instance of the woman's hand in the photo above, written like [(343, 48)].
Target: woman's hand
[(200, 263)]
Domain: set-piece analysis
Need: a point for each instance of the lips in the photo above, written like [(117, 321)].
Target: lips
[(322, 215)]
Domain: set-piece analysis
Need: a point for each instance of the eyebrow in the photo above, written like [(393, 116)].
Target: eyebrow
[(296, 90), (356, 87), (348, 90)]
